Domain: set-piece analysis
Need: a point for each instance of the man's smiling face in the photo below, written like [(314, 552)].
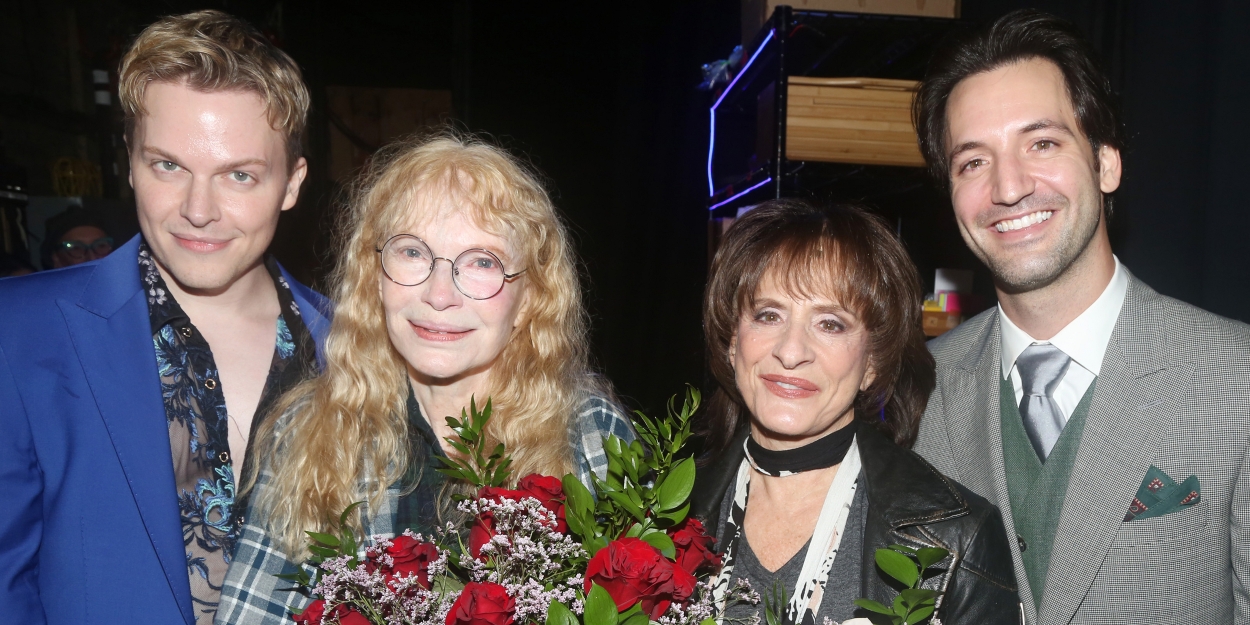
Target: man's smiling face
[(210, 177), (1025, 183)]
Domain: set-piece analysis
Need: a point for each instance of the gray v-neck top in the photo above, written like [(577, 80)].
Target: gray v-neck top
[(843, 587)]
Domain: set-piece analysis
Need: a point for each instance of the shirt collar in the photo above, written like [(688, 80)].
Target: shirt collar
[(163, 309), (1084, 339)]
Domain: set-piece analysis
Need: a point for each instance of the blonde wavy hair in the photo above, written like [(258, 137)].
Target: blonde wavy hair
[(214, 51), (343, 435)]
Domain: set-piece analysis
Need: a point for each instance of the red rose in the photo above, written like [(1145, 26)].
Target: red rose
[(547, 490), (497, 494), (484, 528), (412, 557), (482, 603), (633, 571), (694, 546), (482, 531), (312, 614), (550, 492), (348, 616), (542, 487)]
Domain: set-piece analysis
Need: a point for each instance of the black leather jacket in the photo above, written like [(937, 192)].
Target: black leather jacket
[(909, 503)]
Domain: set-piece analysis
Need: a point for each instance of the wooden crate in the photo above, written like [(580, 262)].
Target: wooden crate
[(851, 120), (756, 12)]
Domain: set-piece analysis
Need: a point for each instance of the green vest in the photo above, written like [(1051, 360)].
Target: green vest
[(1037, 490)]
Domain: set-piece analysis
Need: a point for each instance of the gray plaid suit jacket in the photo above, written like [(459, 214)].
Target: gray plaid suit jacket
[(1174, 392)]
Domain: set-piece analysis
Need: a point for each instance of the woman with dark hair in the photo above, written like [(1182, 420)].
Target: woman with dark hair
[(813, 326)]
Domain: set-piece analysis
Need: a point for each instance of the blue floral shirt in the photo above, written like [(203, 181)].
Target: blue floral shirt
[(199, 425)]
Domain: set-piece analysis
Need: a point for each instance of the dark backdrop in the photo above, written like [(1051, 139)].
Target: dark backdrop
[(601, 97)]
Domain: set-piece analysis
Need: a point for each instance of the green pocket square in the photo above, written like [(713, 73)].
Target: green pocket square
[(1159, 495)]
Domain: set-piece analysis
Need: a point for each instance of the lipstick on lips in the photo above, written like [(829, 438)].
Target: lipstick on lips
[(788, 387), (438, 332)]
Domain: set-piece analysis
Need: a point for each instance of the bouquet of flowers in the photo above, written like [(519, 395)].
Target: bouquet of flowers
[(547, 551)]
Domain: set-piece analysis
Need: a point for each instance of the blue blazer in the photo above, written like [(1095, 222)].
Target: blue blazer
[(89, 524)]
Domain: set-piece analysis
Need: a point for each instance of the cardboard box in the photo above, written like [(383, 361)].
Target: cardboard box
[(756, 12), (851, 120), (938, 322)]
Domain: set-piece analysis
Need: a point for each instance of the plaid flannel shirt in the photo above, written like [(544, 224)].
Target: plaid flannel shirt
[(252, 593)]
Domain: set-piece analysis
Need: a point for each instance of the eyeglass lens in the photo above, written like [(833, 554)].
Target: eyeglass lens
[(78, 249), (408, 261)]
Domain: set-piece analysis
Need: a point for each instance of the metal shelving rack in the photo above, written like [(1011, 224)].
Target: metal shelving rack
[(746, 159)]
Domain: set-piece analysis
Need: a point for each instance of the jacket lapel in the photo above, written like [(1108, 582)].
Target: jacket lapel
[(1134, 405), (112, 337), (975, 425), (314, 309)]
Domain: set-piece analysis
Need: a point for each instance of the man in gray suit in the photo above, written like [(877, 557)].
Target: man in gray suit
[(1110, 424)]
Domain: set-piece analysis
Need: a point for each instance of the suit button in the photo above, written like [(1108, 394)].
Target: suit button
[(1020, 541)]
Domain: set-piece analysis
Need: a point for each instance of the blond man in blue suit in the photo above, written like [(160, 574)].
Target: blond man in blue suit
[(129, 385)]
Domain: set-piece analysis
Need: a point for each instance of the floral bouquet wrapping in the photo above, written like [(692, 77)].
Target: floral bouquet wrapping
[(548, 551)]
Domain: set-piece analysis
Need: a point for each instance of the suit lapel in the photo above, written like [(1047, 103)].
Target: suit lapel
[(975, 425), (112, 337), (314, 310), (1133, 407)]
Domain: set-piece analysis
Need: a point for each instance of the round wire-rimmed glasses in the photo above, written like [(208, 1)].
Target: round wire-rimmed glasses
[(477, 273)]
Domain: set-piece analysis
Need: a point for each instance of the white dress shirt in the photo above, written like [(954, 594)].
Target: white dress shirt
[(1084, 340)]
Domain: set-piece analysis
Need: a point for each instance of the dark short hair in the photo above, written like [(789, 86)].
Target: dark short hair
[(1017, 36), (60, 224), (842, 252)]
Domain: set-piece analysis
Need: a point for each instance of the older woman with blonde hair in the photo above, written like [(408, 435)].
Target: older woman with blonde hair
[(455, 280)]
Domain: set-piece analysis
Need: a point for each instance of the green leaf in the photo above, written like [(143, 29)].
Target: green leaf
[(637, 618), (612, 445), (919, 615), (593, 545), (627, 504), (903, 548), (600, 608), (576, 497), (298, 577), (708, 621), (918, 596), (675, 516), (323, 551), (873, 606), (929, 556), (662, 542), (498, 451), (900, 606), (560, 614), (676, 487), (446, 584), (348, 512), (325, 539), (576, 526), (898, 566)]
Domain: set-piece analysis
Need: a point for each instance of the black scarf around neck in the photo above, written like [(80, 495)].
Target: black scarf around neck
[(821, 453)]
